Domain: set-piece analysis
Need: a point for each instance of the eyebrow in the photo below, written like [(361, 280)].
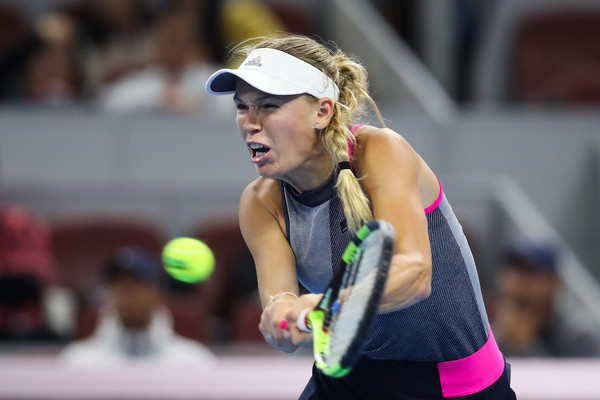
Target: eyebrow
[(259, 98)]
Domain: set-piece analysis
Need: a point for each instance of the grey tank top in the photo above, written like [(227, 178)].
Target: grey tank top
[(450, 324)]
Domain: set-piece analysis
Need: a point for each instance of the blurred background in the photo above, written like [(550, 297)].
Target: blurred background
[(108, 140)]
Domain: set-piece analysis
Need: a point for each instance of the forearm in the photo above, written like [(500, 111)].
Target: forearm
[(409, 281)]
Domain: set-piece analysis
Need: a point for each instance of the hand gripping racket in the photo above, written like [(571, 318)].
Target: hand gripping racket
[(342, 320)]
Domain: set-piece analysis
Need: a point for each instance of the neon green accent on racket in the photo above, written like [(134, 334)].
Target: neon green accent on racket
[(350, 251), (341, 322)]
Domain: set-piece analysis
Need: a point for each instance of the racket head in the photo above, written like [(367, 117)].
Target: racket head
[(342, 320)]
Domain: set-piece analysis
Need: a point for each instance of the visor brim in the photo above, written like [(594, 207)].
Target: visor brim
[(224, 82)]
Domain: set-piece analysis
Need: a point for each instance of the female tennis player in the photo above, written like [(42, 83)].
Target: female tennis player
[(321, 175)]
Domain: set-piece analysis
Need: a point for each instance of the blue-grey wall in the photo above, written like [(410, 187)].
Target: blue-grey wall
[(179, 170)]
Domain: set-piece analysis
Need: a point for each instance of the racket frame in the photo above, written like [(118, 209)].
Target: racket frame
[(319, 319)]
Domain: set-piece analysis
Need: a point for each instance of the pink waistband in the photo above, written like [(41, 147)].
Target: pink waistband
[(473, 373), (437, 201)]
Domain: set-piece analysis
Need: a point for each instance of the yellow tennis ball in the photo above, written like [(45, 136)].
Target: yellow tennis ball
[(188, 260)]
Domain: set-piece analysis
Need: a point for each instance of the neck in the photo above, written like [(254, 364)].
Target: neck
[(304, 179)]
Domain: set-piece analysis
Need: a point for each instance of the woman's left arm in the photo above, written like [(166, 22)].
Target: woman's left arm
[(391, 170)]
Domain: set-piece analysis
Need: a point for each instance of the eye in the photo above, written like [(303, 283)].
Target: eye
[(241, 106), (269, 106)]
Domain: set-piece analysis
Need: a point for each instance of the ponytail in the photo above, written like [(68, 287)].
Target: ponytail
[(351, 78)]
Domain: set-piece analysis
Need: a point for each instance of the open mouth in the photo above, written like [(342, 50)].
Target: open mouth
[(258, 150)]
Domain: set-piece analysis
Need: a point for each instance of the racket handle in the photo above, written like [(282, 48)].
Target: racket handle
[(302, 321)]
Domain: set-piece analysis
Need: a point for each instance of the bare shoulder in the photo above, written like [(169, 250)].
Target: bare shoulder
[(384, 153), (262, 192), (382, 143), (260, 203)]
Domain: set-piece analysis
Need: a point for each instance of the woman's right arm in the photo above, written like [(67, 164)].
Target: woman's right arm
[(262, 225)]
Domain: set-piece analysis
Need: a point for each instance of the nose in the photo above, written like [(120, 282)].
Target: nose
[(251, 123)]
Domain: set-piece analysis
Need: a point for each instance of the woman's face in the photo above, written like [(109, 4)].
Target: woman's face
[(281, 133)]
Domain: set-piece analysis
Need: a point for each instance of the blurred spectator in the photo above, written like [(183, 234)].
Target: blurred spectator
[(26, 272), (118, 37), (12, 26), (531, 319), (243, 19), (135, 326), (189, 38), (224, 23), (175, 81), (114, 38), (43, 66), (131, 49)]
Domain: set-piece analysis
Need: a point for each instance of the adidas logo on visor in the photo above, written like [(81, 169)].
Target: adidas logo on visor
[(255, 61)]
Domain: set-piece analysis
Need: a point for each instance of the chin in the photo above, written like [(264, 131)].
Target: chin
[(266, 172)]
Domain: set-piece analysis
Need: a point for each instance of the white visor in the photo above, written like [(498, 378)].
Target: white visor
[(274, 72)]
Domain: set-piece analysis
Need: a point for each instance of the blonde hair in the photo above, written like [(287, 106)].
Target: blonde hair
[(353, 104)]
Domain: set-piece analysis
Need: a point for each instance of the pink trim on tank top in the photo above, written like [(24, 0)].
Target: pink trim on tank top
[(474, 373), (437, 201), (351, 146), (355, 127)]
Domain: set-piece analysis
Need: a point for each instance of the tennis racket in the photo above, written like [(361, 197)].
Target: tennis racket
[(342, 320)]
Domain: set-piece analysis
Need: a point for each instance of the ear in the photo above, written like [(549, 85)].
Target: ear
[(324, 112)]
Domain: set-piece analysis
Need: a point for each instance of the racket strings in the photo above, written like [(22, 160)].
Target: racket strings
[(354, 296)]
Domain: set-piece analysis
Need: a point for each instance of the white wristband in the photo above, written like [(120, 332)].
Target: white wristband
[(301, 321)]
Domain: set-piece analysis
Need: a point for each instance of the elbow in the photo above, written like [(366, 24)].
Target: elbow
[(407, 286), (423, 281)]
